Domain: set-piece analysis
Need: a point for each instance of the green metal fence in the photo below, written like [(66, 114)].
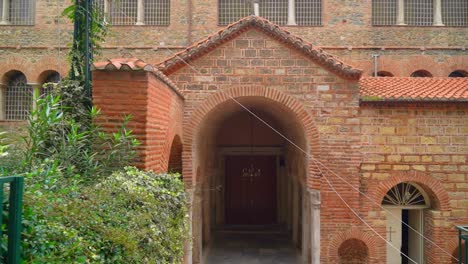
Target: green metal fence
[(462, 236), (15, 202)]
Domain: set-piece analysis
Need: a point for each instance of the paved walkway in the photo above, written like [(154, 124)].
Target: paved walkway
[(251, 248)]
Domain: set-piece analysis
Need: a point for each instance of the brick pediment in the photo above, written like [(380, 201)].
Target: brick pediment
[(274, 31)]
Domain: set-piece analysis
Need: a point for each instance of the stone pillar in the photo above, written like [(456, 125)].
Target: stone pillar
[(2, 101), (140, 13), (256, 8), (188, 243), (292, 13), (106, 10), (401, 13), (437, 13), (5, 19), (305, 227), (295, 216), (315, 225)]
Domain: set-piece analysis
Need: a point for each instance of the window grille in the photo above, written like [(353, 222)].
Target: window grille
[(455, 13), (309, 12), (48, 86), (275, 10), (384, 12), (18, 98), (157, 12), (21, 12), (405, 194), (419, 12), (125, 12), (230, 11)]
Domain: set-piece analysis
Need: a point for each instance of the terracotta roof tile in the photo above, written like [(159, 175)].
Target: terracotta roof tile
[(134, 64), (413, 89), (317, 55)]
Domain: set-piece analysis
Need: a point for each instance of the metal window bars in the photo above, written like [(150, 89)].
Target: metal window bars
[(19, 97), (232, 10), (305, 12), (157, 12), (17, 12), (455, 13), (384, 12), (136, 12), (309, 12), (419, 12), (48, 86), (275, 10)]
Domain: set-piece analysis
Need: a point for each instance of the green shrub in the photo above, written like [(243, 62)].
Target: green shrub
[(128, 217)]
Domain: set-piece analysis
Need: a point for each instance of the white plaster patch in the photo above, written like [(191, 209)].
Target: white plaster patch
[(323, 87)]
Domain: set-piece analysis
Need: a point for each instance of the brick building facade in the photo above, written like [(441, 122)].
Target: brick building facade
[(368, 153)]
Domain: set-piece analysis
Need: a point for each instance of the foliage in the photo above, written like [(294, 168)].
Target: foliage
[(53, 133), (97, 31), (128, 217)]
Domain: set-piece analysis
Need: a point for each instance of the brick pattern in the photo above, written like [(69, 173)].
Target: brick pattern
[(373, 147), (156, 112)]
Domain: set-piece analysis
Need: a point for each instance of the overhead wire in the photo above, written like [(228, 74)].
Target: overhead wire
[(328, 169)]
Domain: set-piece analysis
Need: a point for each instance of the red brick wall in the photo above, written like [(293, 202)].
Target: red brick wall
[(156, 112)]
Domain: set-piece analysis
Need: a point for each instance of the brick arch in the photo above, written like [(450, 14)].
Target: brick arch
[(49, 64), (354, 233), (16, 64), (174, 163), (295, 106), (433, 187)]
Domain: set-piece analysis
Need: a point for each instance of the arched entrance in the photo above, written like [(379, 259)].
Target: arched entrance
[(405, 204), (250, 179)]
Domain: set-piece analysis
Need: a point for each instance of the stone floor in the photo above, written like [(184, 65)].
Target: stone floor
[(251, 247)]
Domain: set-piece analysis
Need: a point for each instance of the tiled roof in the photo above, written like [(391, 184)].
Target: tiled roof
[(317, 55), (134, 64), (123, 64), (413, 89)]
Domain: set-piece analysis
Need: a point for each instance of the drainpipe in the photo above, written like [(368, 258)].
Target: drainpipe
[(376, 63)]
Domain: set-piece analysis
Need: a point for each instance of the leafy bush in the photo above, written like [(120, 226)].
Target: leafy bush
[(128, 217), (83, 148)]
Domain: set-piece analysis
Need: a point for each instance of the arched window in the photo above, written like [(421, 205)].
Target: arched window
[(404, 204), (383, 74), (421, 73), (353, 251), (458, 73), (47, 79), (18, 96)]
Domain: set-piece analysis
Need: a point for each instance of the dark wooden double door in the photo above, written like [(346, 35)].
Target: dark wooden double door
[(250, 200)]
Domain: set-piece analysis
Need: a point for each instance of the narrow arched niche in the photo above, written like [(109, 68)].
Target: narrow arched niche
[(458, 73), (353, 251), (421, 73), (175, 156)]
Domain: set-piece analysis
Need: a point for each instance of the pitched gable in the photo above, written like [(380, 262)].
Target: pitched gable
[(274, 31)]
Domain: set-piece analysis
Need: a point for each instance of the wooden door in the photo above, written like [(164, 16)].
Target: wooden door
[(250, 200)]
